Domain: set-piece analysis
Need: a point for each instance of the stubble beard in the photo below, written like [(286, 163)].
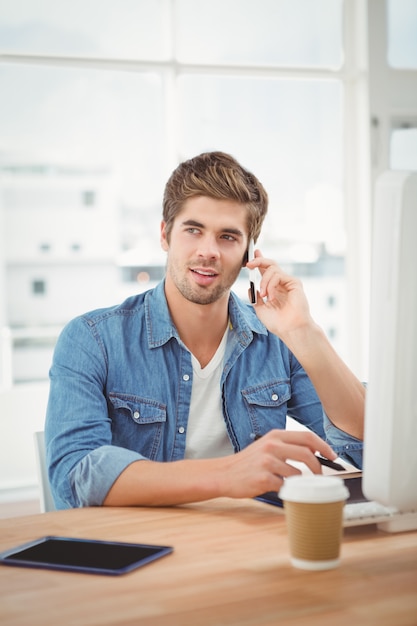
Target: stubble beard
[(202, 295)]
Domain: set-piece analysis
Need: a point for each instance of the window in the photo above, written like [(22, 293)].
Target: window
[(120, 92), (295, 150), (402, 33), (89, 198), (403, 149), (38, 287), (332, 333), (288, 33), (127, 29)]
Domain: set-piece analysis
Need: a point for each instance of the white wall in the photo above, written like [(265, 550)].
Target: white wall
[(22, 412)]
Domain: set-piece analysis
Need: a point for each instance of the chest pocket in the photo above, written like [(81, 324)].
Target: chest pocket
[(267, 405), (137, 423)]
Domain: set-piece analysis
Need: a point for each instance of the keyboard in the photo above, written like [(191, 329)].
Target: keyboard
[(387, 518), (359, 512)]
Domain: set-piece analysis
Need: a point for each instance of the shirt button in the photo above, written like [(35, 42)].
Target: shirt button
[(186, 377), (274, 397), (136, 414), (181, 430)]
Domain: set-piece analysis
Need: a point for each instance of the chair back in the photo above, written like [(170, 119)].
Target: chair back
[(46, 499)]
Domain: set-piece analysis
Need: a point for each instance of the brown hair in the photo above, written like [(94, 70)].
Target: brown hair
[(215, 175)]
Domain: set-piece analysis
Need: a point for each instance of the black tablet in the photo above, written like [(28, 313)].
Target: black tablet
[(83, 555), (354, 485)]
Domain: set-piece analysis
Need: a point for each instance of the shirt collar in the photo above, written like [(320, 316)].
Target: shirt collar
[(160, 327)]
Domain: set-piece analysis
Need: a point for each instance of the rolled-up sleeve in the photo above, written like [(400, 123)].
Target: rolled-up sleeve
[(91, 479), (346, 446)]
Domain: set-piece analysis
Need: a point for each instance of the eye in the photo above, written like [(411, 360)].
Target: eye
[(192, 230), (229, 237)]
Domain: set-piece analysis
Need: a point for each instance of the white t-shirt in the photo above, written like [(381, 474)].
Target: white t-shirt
[(206, 433)]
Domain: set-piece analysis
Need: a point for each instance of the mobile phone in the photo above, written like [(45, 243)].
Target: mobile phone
[(252, 274), (83, 555)]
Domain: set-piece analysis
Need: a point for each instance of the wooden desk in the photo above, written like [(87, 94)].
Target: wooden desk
[(230, 566)]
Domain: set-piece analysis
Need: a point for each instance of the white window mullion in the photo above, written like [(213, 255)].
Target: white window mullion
[(357, 184)]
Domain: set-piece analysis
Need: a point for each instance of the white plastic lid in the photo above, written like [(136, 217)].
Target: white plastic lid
[(315, 488)]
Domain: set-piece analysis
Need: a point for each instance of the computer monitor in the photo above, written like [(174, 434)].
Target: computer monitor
[(390, 451)]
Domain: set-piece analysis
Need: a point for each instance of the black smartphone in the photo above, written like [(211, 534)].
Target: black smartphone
[(83, 555), (252, 274)]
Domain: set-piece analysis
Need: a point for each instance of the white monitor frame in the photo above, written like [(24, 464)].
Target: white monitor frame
[(390, 452)]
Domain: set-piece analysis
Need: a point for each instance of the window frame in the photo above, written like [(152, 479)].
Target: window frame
[(358, 178)]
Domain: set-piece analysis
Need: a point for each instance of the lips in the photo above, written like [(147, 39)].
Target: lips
[(203, 277), (204, 273)]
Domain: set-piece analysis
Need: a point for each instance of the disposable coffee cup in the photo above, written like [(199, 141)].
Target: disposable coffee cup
[(314, 513)]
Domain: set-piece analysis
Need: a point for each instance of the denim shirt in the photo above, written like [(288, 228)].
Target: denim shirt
[(120, 391)]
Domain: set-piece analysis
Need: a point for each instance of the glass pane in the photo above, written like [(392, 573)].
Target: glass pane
[(289, 133), (403, 154), (260, 32), (106, 119), (129, 29), (402, 33), (81, 180)]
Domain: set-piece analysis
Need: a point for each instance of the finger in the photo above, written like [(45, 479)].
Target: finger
[(262, 263), (272, 473), (284, 469), (275, 282), (286, 454), (301, 454), (273, 279), (306, 439)]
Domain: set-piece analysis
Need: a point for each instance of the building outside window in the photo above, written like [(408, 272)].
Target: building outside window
[(38, 287)]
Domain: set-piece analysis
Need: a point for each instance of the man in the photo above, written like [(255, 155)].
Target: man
[(181, 394)]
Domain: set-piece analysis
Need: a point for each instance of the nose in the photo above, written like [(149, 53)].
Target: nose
[(208, 247)]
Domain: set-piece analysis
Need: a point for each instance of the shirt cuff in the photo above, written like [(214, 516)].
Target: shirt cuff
[(93, 477), (346, 446)]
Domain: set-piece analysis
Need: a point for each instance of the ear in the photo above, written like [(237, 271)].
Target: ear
[(163, 238)]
